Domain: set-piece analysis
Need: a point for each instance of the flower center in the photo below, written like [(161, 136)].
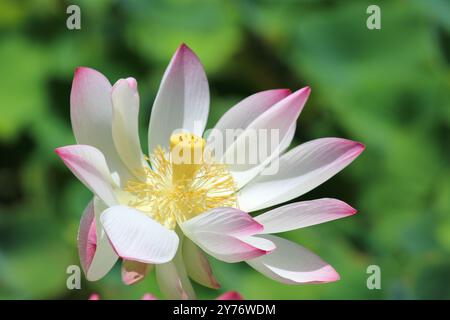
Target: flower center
[(181, 183)]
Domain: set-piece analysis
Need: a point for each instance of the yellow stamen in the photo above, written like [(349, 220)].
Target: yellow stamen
[(182, 183), (186, 155)]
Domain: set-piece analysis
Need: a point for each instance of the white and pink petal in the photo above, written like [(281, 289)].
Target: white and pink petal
[(290, 263), (240, 116), (91, 115), (97, 257), (182, 101), (220, 231), (87, 239), (197, 265), (265, 138), (136, 236), (125, 105), (230, 295), (173, 280), (298, 171), (303, 214), (89, 165)]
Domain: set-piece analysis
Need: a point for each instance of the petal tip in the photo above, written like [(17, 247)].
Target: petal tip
[(258, 227), (132, 82), (185, 52), (352, 211), (149, 296), (94, 296), (329, 275), (183, 48), (303, 92), (231, 295), (362, 146), (258, 252), (268, 251), (284, 91), (334, 276), (356, 146), (359, 147), (61, 152), (346, 209), (80, 71), (121, 84), (214, 282), (300, 97)]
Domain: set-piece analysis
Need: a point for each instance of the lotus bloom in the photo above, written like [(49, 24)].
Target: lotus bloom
[(154, 212)]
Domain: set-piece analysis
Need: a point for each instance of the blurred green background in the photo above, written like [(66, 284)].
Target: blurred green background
[(388, 88)]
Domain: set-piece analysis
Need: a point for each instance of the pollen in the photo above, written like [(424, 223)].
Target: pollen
[(181, 183)]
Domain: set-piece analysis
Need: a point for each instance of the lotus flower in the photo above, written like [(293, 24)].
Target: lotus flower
[(155, 212)]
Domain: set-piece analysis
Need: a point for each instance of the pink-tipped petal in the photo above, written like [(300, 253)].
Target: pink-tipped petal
[(298, 171), (303, 214), (136, 236), (97, 257), (134, 271), (230, 295), (219, 232), (173, 280), (223, 220), (94, 296), (125, 105), (87, 239), (132, 83), (182, 101), (89, 165), (290, 263), (241, 115), (260, 243), (197, 265), (265, 138), (91, 115), (149, 296)]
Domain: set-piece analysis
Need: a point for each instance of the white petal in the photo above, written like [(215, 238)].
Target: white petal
[(87, 240), (218, 232), (89, 165), (182, 101), (292, 264), (260, 243), (173, 280), (125, 102), (265, 138), (197, 265), (224, 220), (299, 171), (96, 254), (303, 214), (91, 115), (104, 260), (136, 236), (241, 115)]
